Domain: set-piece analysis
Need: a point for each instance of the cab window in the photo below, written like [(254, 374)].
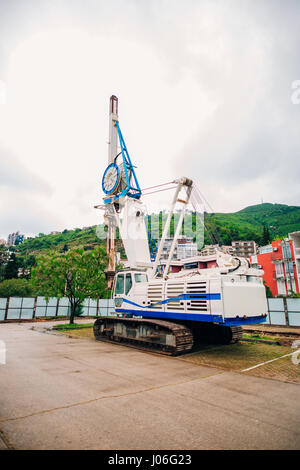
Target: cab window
[(120, 284), (140, 277), (128, 283)]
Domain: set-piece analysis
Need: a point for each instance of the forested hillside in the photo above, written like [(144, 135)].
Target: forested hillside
[(246, 224)]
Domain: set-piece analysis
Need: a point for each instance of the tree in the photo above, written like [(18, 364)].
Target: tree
[(16, 288), (4, 257), (268, 290), (11, 268), (76, 274), (160, 224), (265, 236)]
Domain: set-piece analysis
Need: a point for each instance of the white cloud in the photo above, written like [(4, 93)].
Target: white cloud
[(204, 90)]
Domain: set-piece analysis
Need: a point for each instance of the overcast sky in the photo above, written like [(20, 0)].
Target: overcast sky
[(205, 90)]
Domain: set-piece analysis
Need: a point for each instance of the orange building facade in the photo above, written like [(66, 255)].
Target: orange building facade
[(278, 262)]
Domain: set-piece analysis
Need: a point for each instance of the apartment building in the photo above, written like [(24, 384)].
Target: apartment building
[(244, 249), (278, 261), (212, 250), (295, 238), (15, 239), (184, 248)]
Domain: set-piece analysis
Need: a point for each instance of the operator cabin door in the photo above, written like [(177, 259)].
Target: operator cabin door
[(122, 291), (119, 291)]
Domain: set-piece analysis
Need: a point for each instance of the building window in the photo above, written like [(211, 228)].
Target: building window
[(128, 283), (286, 251), (279, 269), (120, 284), (191, 266), (288, 267)]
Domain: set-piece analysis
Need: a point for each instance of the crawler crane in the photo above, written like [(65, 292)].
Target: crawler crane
[(157, 310)]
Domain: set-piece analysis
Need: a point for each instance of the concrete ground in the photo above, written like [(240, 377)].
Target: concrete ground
[(58, 392)]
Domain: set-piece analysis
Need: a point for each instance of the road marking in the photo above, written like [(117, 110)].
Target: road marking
[(272, 360)]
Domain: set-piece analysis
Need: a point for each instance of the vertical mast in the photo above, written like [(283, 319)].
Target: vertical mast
[(109, 215), (113, 132)]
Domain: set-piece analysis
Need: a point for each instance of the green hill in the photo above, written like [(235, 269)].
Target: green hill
[(246, 224), (67, 239)]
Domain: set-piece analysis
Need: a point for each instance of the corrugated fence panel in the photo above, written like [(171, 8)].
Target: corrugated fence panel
[(52, 307), (23, 308), (103, 304), (28, 302), (64, 307), (277, 318), (276, 312), (2, 308), (111, 307), (276, 305), (85, 307), (27, 307), (93, 307), (41, 307), (293, 307), (27, 313), (14, 309)]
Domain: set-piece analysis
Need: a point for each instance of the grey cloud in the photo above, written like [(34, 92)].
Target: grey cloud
[(26, 214), (14, 175), (253, 134)]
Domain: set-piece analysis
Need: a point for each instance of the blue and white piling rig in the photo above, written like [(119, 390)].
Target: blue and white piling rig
[(156, 309)]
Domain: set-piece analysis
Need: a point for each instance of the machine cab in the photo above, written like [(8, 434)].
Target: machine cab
[(130, 287)]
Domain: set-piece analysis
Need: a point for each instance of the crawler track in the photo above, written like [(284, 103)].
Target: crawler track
[(236, 334), (148, 334), (162, 336)]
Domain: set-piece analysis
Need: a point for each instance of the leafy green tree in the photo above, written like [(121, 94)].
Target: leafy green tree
[(25, 263), (265, 236), (268, 290), (16, 288), (11, 268), (172, 226), (4, 257), (160, 224), (76, 274)]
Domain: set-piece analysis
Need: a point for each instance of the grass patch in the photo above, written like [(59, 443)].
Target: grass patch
[(239, 356), (257, 336), (74, 326), (80, 332)]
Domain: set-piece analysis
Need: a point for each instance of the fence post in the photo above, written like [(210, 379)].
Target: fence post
[(21, 308), (57, 307), (6, 308), (269, 316), (97, 308), (34, 308), (286, 311)]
